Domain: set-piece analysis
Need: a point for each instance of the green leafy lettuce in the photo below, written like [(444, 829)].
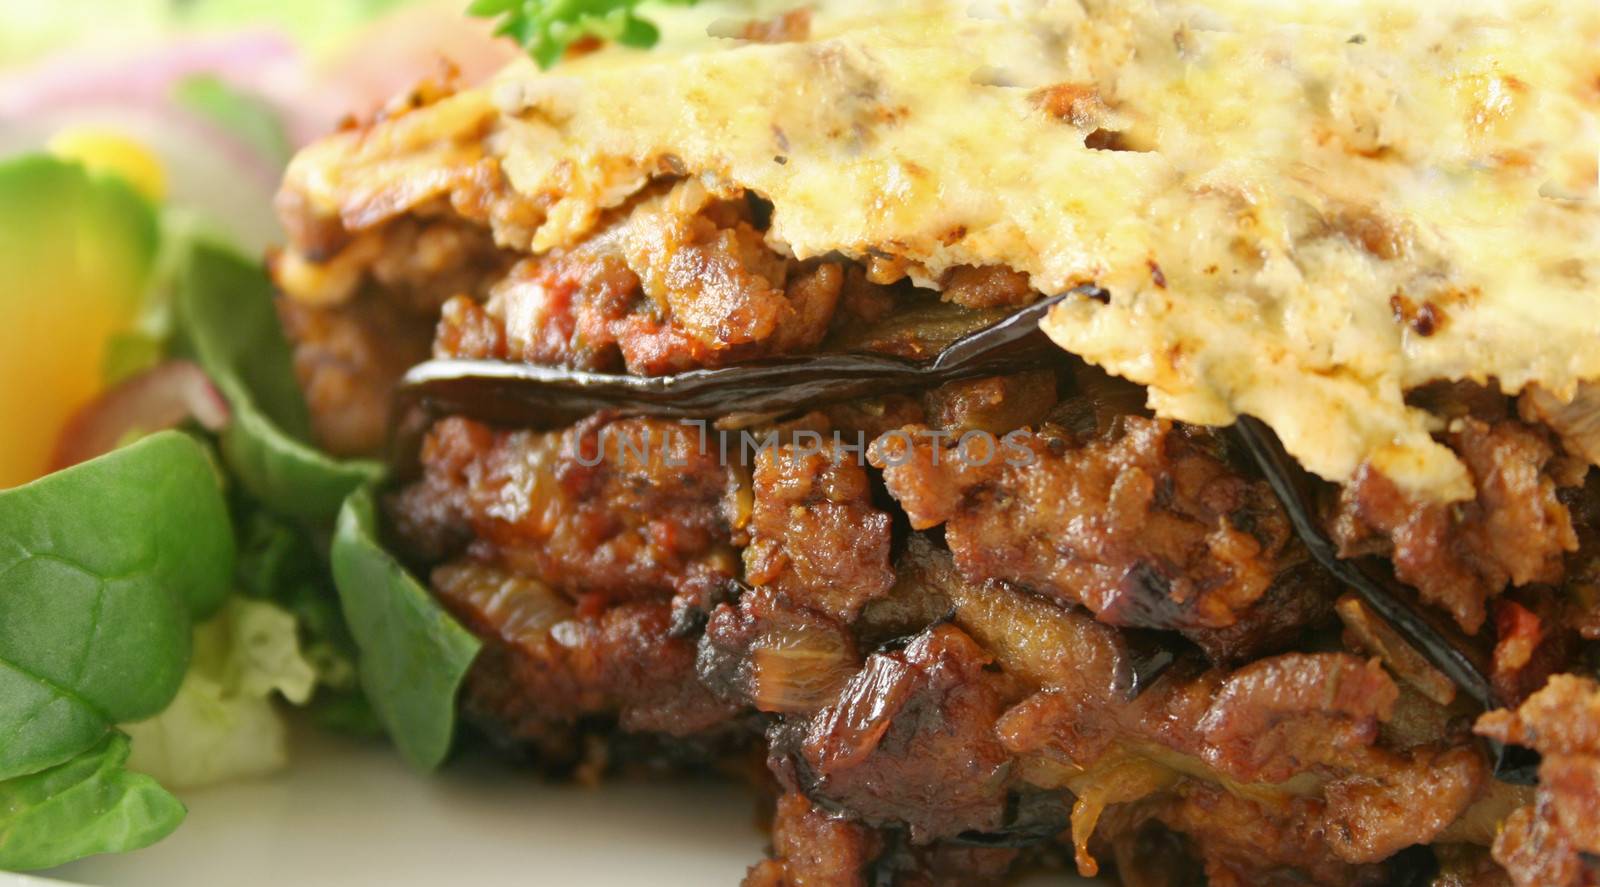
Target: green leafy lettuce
[(413, 655), (227, 319), (88, 804), (286, 564), (104, 569), (115, 604), (281, 562), (138, 594)]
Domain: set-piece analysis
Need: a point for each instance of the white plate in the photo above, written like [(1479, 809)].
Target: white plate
[(350, 813), (347, 812)]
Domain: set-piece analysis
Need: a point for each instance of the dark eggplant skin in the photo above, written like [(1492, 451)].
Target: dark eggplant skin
[(521, 395), (530, 396), (1373, 580)]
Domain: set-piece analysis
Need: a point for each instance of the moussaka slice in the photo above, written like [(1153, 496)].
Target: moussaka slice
[(1153, 437)]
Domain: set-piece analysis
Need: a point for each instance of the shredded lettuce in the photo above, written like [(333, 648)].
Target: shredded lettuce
[(222, 724), (279, 561)]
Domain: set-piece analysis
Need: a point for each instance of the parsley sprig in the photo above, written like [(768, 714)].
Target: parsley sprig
[(547, 27)]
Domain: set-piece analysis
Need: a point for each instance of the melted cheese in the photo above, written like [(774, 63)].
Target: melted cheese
[(1323, 207)]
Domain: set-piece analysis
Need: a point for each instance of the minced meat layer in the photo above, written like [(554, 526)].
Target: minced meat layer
[(678, 278), (947, 661), (1096, 639)]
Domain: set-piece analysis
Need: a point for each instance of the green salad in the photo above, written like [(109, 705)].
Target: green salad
[(179, 564), (157, 597), (162, 600)]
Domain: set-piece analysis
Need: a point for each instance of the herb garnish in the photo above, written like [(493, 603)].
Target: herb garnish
[(546, 28)]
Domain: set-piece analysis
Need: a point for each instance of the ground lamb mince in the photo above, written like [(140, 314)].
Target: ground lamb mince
[(677, 278), (947, 689), (947, 664)]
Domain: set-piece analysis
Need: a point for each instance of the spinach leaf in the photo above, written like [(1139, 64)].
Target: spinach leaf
[(88, 804), (103, 569), (227, 319), (413, 655)]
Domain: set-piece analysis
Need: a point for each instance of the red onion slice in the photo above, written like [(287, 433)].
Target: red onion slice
[(164, 396), (95, 76)]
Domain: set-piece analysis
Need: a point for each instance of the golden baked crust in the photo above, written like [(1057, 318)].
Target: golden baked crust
[(1300, 213)]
